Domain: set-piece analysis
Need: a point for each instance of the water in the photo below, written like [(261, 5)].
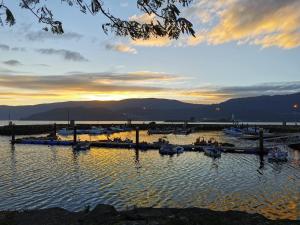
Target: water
[(43, 177)]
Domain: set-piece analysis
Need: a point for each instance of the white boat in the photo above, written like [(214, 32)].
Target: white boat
[(96, 130), (116, 129), (178, 149), (212, 151), (233, 131), (81, 146), (277, 154), (65, 132)]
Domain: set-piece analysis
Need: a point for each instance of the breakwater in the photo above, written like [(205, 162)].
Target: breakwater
[(47, 128)]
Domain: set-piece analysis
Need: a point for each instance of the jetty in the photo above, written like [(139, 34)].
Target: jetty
[(140, 146)]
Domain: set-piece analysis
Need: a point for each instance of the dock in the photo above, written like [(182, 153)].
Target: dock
[(140, 146)]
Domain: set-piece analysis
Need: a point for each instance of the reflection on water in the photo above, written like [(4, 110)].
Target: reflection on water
[(42, 177)]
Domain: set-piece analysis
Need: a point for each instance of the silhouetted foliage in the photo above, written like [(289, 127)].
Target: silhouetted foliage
[(167, 23)]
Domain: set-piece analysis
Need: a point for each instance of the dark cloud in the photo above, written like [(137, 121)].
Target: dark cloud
[(4, 47), (66, 54), (43, 35), (262, 89), (18, 49), (12, 62), (84, 82), (42, 64)]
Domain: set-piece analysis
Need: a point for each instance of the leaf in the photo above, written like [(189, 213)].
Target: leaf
[(10, 19)]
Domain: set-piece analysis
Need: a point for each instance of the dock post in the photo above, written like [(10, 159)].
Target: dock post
[(12, 130), (54, 130), (137, 137), (261, 141), (74, 134)]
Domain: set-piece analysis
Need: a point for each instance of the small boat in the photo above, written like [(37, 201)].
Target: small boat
[(65, 132), (212, 151), (233, 131), (157, 131), (277, 154), (96, 130), (167, 149), (81, 146), (178, 149), (182, 131)]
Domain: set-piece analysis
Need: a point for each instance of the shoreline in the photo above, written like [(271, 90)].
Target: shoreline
[(6, 130), (108, 215)]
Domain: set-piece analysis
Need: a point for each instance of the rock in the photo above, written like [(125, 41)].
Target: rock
[(107, 215), (101, 214)]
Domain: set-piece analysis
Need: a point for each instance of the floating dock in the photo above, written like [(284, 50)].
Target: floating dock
[(140, 146)]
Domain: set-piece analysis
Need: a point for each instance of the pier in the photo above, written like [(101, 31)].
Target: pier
[(140, 146)]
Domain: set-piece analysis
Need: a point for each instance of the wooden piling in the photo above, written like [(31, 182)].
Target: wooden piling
[(261, 141), (54, 130), (74, 134), (137, 137), (12, 130)]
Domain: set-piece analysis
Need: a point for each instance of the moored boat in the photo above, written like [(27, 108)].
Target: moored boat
[(178, 149), (168, 149), (277, 154), (233, 131), (65, 132), (81, 146), (212, 151)]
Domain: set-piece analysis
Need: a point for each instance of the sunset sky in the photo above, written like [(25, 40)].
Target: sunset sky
[(243, 48)]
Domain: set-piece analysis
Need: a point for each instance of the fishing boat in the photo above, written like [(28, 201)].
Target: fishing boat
[(167, 149), (212, 151), (81, 146), (277, 154)]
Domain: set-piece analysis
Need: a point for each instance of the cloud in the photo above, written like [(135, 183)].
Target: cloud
[(88, 82), (153, 42), (143, 18), (43, 35), (211, 94), (4, 47), (12, 62), (18, 49), (86, 86), (66, 54), (261, 22), (121, 48)]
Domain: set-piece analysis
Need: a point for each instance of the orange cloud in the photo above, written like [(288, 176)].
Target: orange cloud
[(260, 22), (153, 42)]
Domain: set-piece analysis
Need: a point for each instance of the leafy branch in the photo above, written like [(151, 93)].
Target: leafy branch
[(167, 23)]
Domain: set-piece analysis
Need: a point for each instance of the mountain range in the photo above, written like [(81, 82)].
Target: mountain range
[(260, 108)]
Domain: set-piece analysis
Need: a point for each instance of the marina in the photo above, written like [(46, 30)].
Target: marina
[(126, 176)]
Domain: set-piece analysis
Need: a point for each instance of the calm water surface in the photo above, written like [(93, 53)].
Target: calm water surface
[(42, 177)]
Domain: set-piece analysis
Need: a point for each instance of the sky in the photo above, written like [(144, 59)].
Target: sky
[(242, 48)]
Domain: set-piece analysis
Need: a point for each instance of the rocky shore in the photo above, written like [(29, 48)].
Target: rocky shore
[(108, 215)]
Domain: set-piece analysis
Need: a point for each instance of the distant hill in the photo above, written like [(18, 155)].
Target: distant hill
[(261, 108)]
